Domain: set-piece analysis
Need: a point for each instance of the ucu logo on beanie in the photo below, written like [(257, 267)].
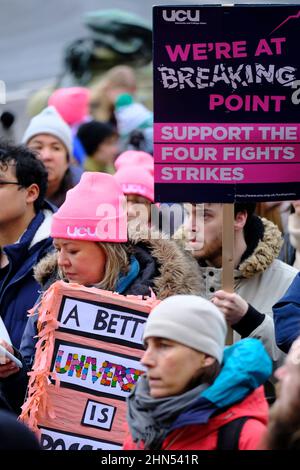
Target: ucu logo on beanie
[(94, 210), (112, 229), (131, 188)]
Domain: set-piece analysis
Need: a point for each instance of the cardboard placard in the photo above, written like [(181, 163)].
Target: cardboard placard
[(226, 103), (86, 363)]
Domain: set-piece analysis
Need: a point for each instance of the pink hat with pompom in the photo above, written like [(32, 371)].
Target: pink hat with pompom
[(72, 103)]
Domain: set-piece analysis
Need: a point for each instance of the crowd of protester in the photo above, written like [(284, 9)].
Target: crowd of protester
[(91, 148)]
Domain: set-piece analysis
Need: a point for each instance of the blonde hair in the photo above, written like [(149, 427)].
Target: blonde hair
[(121, 78), (117, 262)]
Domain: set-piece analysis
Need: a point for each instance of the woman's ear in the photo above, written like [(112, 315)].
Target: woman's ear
[(208, 361)]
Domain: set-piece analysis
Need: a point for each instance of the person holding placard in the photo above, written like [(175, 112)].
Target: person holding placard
[(92, 249), (260, 279), (25, 221)]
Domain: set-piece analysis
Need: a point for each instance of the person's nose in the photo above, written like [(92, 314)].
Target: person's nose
[(62, 259), (131, 209), (280, 372), (115, 149), (148, 358), (190, 224), (45, 154)]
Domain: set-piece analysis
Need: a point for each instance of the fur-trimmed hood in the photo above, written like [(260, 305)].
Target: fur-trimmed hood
[(177, 271), (265, 252), (46, 269)]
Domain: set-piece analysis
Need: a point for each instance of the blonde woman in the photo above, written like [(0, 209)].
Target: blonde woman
[(92, 249)]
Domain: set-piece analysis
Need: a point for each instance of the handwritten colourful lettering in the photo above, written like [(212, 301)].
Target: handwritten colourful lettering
[(109, 374)]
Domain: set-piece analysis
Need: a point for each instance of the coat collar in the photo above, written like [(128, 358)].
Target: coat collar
[(176, 271), (264, 253)]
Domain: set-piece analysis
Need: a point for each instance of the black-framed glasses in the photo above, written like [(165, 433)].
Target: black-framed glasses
[(2, 183)]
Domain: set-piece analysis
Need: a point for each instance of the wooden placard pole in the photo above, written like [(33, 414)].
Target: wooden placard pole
[(228, 256)]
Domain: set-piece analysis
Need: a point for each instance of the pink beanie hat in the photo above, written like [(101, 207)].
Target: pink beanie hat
[(94, 210), (71, 103), (135, 173), (135, 157)]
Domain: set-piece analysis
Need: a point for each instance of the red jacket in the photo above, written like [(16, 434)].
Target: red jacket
[(204, 436)]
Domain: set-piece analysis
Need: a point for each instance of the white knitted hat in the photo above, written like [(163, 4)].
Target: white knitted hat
[(131, 115), (50, 122)]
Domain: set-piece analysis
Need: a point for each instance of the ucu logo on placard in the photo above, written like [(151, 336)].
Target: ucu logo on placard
[(81, 231), (182, 16)]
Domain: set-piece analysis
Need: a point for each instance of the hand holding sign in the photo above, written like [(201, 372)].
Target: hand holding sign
[(232, 305), (8, 365)]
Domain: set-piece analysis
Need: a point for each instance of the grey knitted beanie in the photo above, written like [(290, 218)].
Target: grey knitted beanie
[(189, 320)]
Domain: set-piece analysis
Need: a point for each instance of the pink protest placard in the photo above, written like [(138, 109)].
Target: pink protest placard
[(226, 103), (214, 174), (87, 362)]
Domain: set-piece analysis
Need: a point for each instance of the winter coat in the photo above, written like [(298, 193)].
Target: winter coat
[(287, 316), (246, 366), (205, 436), (287, 253), (294, 232), (261, 280), (18, 288), (163, 266), (90, 164)]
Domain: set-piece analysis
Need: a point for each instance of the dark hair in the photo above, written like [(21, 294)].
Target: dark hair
[(242, 207), (208, 375), (253, 229), (93, 133), (28, 168), (245, 207), (136, 140)]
